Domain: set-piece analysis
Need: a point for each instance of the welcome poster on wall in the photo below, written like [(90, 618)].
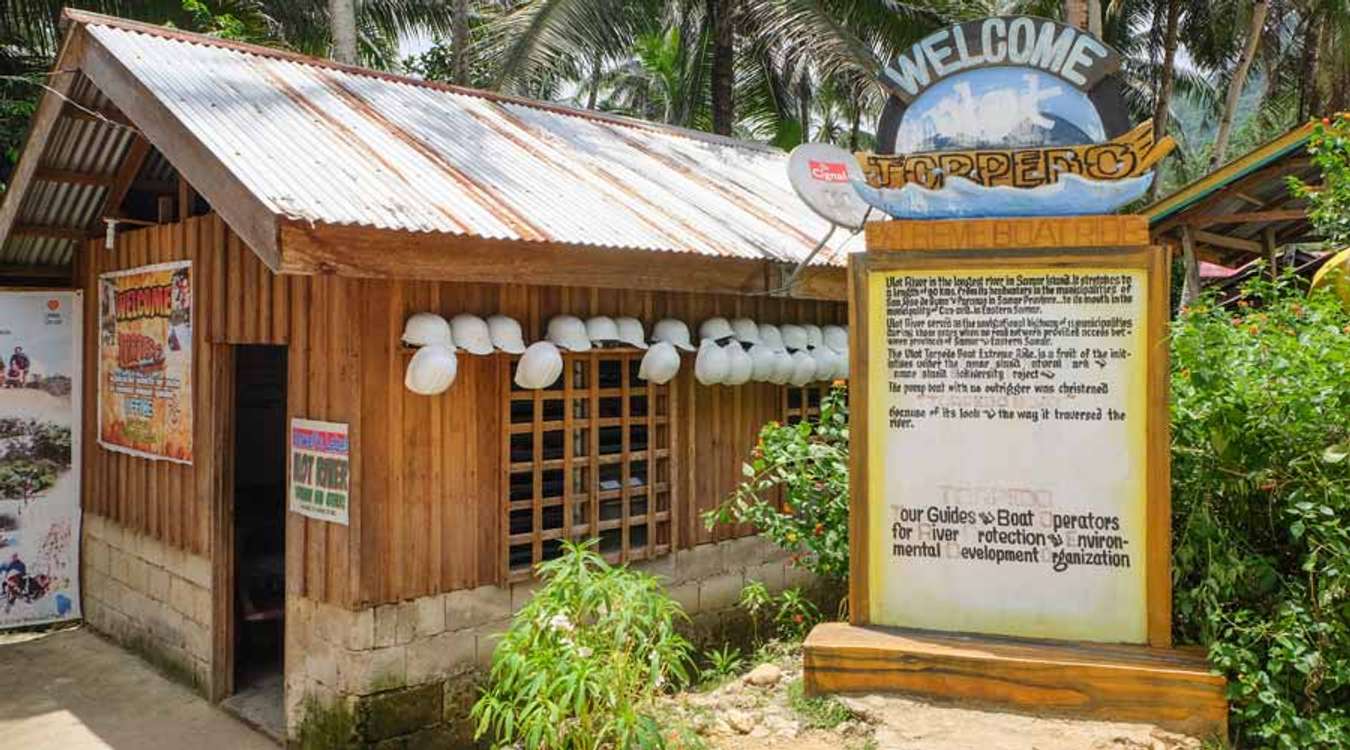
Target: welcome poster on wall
[(145, 361), (39, 457)]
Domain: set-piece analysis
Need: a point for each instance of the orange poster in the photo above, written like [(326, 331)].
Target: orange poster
[(145, 362)]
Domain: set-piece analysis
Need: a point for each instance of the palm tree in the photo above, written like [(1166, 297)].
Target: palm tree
[(342, 17), (1256, 27)]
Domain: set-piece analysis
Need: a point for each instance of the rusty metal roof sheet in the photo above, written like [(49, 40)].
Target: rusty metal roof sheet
[(334, 145)]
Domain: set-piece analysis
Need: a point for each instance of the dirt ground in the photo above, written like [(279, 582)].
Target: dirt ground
[(72, 690)]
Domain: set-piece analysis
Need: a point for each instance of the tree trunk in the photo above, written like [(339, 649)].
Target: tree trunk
[(804, 105), (594, 84), (1076, 13), (853, 126), (459, 38), (1167, 81), (1094, 18), (1239, 81), (342, 19), (721, 14)]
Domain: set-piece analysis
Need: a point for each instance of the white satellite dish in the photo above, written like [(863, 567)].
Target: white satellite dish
[(822, 175)]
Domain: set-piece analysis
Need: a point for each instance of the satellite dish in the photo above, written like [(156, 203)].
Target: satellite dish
[(823, 177)]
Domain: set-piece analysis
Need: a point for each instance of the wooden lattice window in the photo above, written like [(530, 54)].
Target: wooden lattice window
[(588, 457), (803, 402)]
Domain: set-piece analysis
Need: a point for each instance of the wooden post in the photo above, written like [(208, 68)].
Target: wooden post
[(1190, 290), (1272, 251)]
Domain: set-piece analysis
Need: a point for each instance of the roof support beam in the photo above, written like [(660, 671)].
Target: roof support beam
[(244, 212), (1232, 243), (1190, 290), (49, 273), (71, 176), (1279, 169), (104, 116), (379, 253), (59, 233), (1249, 217), (137, 150)]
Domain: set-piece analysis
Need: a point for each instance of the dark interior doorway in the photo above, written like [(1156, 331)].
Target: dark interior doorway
[(259, 533)]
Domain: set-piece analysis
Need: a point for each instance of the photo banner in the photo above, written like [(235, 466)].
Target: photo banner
[(320, 466), (39, 457), (145, 362)]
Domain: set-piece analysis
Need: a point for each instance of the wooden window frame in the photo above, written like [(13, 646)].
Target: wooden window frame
[(580, 394)]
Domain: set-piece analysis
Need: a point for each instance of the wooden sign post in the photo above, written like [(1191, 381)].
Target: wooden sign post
[(1010, 493)]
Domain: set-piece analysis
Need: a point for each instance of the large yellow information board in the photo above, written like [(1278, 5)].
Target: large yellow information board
[(1007, 450)]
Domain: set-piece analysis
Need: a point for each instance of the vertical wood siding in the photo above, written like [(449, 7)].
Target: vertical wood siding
[(426, 475)]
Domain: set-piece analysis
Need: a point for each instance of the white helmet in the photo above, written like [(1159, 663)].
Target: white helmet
[(539, 366), (630, 332), (601, 329), (794, 336), (673, 331), (424, 329), (782, 367), (761, 363), (813, 336), (770, 336), (505, 334), (471, 334), (836, 337), (716, 329), (803, 368), (841, 367), (711, 365), (568, 332), (660, 363), (745, 330), (739, 364), (826, 362), (431, 370)]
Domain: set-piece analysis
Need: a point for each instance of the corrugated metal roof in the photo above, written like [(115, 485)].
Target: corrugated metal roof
[(333, 145)]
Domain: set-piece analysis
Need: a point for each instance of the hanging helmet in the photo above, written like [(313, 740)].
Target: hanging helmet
[(539, 366), (814, 338), (794, 336), (601, 329), (431, 370), (423, 329), (631, 333), (568, 332), (803, 369), (841, 367), (660, 363), (717, 329), (770, 336), (739, 364), (471, 334), (711, 365), (836, 337), (825, 359), (782, 367), (505, 334), (761, 363), (673, 331), (745, 330)]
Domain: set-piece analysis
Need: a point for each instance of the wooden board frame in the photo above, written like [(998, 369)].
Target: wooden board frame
[(1056, 246)]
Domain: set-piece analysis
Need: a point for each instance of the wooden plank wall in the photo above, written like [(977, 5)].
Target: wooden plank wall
[(426, 479)]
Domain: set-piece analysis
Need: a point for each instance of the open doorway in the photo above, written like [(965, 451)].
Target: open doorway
[(259, 535)]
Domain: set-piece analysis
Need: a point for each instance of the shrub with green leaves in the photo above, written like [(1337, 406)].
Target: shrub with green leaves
[(582, 661), (1261, 507), (808, 463)]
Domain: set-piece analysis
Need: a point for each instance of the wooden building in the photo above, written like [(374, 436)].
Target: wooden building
[(320, 206)]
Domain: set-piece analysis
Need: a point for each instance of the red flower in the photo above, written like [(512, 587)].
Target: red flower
[(820, 529), (797, 618)]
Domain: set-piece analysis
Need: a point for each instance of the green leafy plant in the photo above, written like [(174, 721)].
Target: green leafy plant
[(808, 464), (1261, 507), (756, 601), (822, 712), (723, 663), (1329, 201), (795, 615), (582, 661)]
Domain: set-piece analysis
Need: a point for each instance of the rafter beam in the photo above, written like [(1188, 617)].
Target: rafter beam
[(1249, 217), (1274, 171), (1231, 243), (137, 150), (103, 115), (71, 176), (60, 233)]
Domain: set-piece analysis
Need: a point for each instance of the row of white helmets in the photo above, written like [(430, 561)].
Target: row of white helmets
[(730, 352)]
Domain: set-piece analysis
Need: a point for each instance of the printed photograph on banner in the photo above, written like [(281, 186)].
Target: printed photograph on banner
[(145, 361), (320, 466), (39, 457)]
